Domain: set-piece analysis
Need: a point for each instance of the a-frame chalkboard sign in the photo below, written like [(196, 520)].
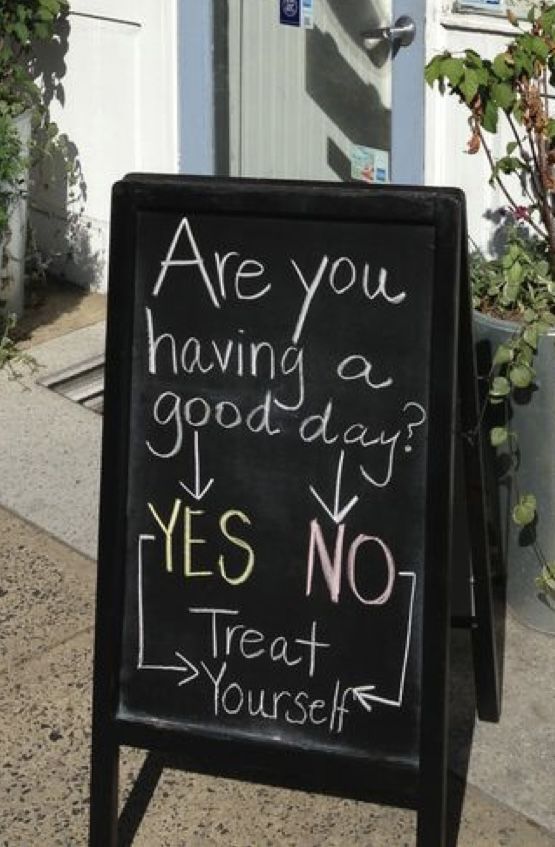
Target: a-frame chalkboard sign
[(286, 367)]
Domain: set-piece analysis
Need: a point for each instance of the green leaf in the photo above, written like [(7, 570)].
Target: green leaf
[(521, 376), (42, 31), (525, 355), (498, 435), (502, 69), (523, 515), (510, 292), (515, 274), (503, 95), (503, 355), (510, 165), (523, 64), (20, 31), (52, 5), (539, 48), (528, 500), (511, 147), (550, 129), (525, 510), (432, 70), (469, 85), (518, 112), (529, 315), (489, 121), (473, 59), (547, 579), (547, 18), (500, 387), (530, 336), (453, 69), (542, 327), (45, 15)]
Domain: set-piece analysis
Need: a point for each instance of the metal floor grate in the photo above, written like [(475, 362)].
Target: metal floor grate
[(83, 383)]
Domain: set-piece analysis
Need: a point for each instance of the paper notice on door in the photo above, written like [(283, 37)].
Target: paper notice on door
[(297, 13), (290, 12), (369, 164)]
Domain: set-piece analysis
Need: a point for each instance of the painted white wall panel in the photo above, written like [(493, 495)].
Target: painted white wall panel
[(120, 110), (447, 131)]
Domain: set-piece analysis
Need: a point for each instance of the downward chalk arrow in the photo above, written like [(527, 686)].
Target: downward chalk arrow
[(198, 491), (337, 514)]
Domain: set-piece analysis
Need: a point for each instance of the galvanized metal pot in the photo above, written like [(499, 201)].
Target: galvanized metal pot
[(532, 417)]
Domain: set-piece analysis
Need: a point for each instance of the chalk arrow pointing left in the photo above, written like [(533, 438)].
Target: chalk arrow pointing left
[(337, 513), (198, 491), (364, 696)]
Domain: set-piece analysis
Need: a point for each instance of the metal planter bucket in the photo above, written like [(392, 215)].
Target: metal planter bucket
[(532, 417)]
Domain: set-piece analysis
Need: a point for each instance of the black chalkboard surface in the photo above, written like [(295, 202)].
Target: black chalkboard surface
[(276, 509)]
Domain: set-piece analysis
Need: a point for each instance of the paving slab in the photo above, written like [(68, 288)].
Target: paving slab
[(46, 595), (56, 308), (49, 468), (45, 695), (50, 446), (44, 785), (513, 760)]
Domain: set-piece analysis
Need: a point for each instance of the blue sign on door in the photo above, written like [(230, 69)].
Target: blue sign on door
[(290, 12)]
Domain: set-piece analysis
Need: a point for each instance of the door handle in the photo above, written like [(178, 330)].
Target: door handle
[(399, 34)]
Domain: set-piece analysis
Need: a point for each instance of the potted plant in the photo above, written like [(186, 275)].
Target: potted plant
[(23, 120), (514, 291)]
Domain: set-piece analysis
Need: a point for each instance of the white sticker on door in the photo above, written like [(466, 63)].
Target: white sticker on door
[(308, 14), (369, 164)]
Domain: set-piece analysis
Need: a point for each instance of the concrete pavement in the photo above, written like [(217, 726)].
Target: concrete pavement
[(49, 465)]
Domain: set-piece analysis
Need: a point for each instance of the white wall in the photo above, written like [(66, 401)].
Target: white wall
[(120, 109), (447, 131)]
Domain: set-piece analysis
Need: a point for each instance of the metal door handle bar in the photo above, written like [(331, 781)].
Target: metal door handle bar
[(401, 33)]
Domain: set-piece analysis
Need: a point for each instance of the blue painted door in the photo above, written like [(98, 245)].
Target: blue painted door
[(312, 98)]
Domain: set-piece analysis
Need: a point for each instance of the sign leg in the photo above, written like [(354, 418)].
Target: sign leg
[(104, 790)]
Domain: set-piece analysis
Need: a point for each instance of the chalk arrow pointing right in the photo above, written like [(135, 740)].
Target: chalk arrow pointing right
[(184, 666), (188, 666), (337, 513)]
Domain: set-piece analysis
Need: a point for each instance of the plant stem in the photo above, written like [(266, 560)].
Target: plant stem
[(536, 189), (513, 204), (545, 210)]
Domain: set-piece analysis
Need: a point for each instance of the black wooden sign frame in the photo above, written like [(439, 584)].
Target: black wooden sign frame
[(416, 782)]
